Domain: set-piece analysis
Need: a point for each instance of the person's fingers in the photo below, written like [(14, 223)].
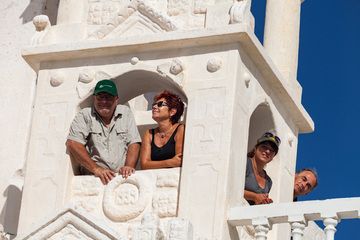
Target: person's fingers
[(102, 179)]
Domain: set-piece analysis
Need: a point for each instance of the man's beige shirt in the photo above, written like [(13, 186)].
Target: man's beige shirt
[(107, 146)]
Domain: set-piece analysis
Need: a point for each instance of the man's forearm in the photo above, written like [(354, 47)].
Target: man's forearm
[(132, 155), (79, 153)]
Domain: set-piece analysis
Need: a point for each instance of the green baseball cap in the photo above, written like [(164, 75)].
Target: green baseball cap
[(106, 86)]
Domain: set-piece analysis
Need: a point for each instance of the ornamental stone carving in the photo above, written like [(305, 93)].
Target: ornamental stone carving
[(42, 25), (176, 67), (200, 6), (102, 11), (179, 229), (168, 180), (56, 78), (134, 60), (247, 79), (125, 199), (214, 64), (149, 229), (240, 12), (41, 22), (86, 186), (161, 21), (165, 202), (86, 76), (177, 7)]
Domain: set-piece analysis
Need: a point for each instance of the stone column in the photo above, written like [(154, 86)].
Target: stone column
[(281, 35), (71, 11)]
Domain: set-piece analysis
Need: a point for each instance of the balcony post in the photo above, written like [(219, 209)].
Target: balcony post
[(330, 228), (297, 230)]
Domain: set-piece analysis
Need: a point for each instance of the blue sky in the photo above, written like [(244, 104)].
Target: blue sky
[(329, 72)]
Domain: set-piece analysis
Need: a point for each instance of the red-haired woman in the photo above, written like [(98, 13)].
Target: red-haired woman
[(162, 146)]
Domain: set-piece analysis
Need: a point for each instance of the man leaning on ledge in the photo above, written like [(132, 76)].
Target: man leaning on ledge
[(104, 139)]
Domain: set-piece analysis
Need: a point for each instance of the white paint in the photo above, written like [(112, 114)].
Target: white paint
[(227, 79)]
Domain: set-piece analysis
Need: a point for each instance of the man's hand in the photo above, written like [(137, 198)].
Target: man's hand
[(126, 171), (262, 198), (105, 175)]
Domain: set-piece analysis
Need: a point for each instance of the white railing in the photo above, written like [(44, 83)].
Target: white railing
[(297, 214)]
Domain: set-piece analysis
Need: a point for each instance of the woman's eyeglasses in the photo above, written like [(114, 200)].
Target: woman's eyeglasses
[(159, 104), (271, 135)]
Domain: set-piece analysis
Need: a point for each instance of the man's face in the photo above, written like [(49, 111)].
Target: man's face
[(105, 104), (305, 182)]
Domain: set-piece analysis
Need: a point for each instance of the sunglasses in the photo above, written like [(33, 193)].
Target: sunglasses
[(271, 135), (266, 147), (159, 104)]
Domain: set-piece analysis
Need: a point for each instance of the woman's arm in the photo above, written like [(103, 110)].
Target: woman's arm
[(145, 153), (257, 198)]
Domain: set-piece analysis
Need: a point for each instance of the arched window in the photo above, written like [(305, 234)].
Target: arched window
[(137, 89)]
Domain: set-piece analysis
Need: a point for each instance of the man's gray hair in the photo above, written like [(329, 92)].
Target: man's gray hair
[(314, 172)]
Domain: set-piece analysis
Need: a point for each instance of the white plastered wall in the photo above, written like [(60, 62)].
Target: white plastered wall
[(17, 88)]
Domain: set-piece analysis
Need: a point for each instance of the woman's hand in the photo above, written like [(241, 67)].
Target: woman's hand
[(262, 198), (176, 161)]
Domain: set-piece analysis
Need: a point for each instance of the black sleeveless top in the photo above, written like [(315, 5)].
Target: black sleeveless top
[(165, 152)]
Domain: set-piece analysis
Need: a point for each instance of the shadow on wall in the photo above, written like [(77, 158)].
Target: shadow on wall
[(38, 7), (11, 210)]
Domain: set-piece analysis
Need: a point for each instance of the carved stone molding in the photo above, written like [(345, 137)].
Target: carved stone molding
[(125, 199), (73, 224), (140, 6), (214, 64)]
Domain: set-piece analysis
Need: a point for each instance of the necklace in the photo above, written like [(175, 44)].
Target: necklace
[(165, 133)]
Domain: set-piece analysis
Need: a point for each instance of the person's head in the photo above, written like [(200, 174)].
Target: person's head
[(167, 105), (267, 146), (105, 98), (305, 181)]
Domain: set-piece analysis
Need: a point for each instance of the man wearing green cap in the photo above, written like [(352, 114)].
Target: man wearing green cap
[(104, 139)]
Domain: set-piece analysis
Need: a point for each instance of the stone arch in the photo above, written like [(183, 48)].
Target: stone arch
[(141, 85), (138, 82), (261, 120)]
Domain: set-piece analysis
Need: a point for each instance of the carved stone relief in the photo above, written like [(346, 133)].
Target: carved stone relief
[(56, 78), (168, 180), (165, 202), (102, 11), (147, 12), (69, 232), (73, 224), (42, 25), (240, 12), (174, 70), (210, 103), (214, 64), (200, 6), (177, 7), (206, 139), (149, 229), (179, 229), (86, 82), (125, 199)]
